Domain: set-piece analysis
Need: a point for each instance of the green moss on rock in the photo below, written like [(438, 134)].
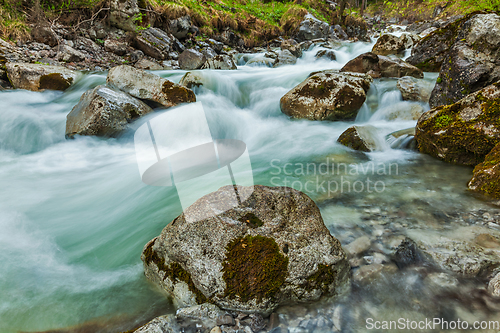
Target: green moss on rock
[(174, 271), (486, 179), (254, 268), (322, 279), (252, 220)]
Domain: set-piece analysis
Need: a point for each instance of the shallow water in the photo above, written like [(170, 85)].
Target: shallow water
[(74, 215)]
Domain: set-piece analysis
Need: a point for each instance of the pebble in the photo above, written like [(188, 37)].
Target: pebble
[(216, 329), (358, 246)]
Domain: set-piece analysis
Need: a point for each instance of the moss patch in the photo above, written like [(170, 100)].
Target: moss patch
[(174, 271), (252, 220), (178, 94), (55, 81), (254, 268), (486, 178), (322, 279)]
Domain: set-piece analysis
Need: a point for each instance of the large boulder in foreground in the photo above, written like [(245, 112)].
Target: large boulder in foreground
[(381, 66), (38, 77), (465, 52), (148, 87), (273, 249), (486, 178), (463, 132), (390, 44), (104, 112), (327, 95)]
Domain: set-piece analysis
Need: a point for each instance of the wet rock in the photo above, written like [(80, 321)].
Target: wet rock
[(148, 65), (261, 61), (193, 80), (230, 38), (407, 254), (206, 314), (226, 320), (163, 324), (191, 59), (115, 46), (403, 139), (327, 95), (220, 62), (273, 245), (486, 179), (440, 282), (326, 54), (68, 54), (284, 57), (494, 286), (180, 26), (149, 87), (367, 273), (45, 35), (104, 112), (208, 52), (292, 46), (274, 321), (399, 111), (37, 77), (463, 132), (358, 246), (217, 46), (362, 138), (413, 89), (154, 42), (123, 14), (381, 66), (312, 28), (390, 44)]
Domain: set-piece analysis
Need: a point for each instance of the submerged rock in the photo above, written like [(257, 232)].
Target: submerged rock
[(413, 89), (464, 132), (402, 139), (149, 87), (191, 59), (37, 77), (273, 249), (327, 95), (104, 112), (381, 66), (193, 80), (362, 138), (222, 61), (399, 111), (494, 286), (486, 178), (390, 44), (326, 54)]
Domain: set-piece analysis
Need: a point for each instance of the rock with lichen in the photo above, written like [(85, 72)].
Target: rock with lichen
[(148, 87), (193, 80), (486, 178), (327, 95), (104, 112), (381, 66), (38, 77), (391, 44), (463, 132), (222, 61), (271, 250), (413, 89)]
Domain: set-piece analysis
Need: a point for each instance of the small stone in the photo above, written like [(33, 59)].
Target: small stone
[(406, 254), (216, 329), (358, 246), (225, 320)]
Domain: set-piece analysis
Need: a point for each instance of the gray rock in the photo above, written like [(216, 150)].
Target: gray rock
[(68, 54), (494, 286), (180, 26), (226, 320), (390, 44), (292, 46), (136, 55), (252, 258), (193, 80), (326, 54), (230, 38), (37, 77), (312, 28), (148, 86), (413, 89), (191, 59), (381, 66), (220, 62), (115, 46), (327, 95), (154, 42), (123, 14), (208, 52), (206, 314), (358, 246), (148, 65), (363, 138), (217, 46), (440, 282), (163, 324), (45, 35), (284, 57), (104, 112), (407, 254)]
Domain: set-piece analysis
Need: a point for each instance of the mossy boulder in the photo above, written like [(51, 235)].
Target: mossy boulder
[(273, 249), (327, 95), (390, 44), (381, 66), (463, 132), (104, 112), (38, 77), (149, 87), (486, 179)]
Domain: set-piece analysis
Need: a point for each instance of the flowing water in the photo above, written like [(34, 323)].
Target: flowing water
[(74, 214)]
